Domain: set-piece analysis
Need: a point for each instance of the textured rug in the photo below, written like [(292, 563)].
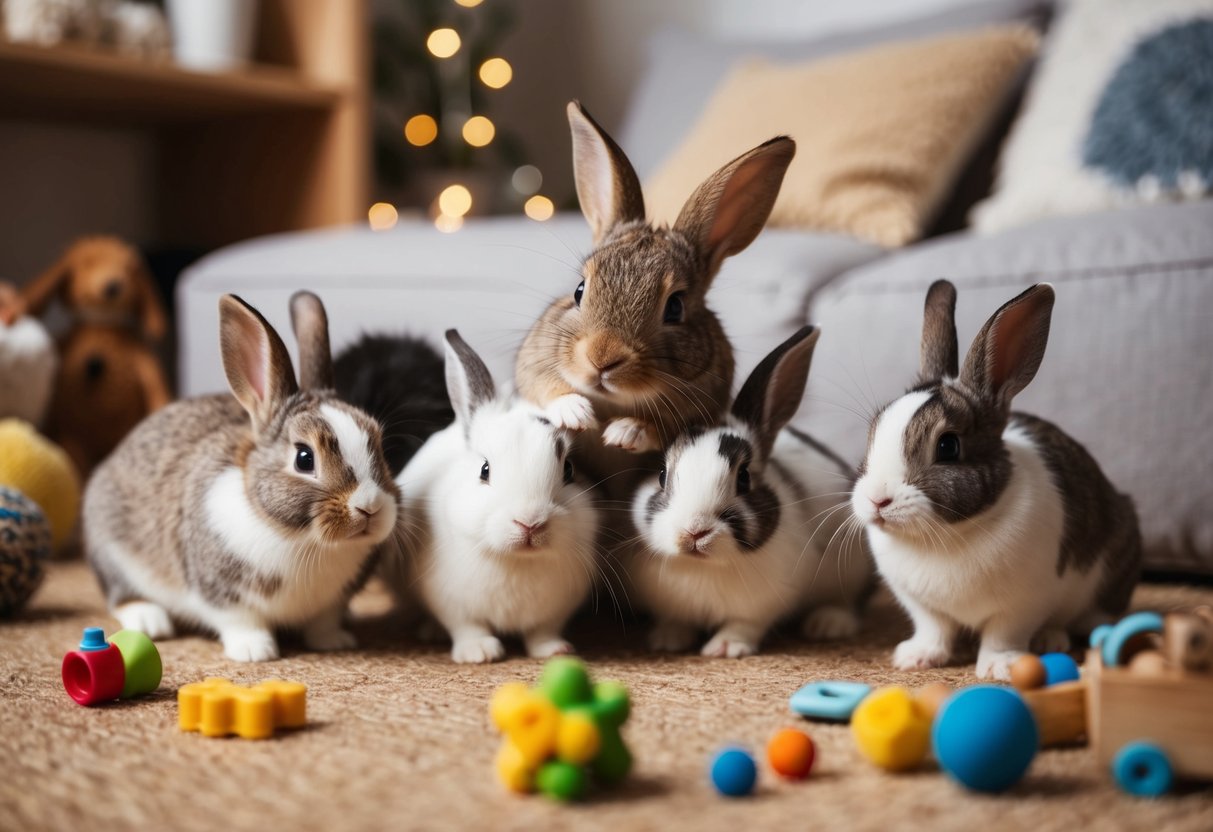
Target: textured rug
[(399, 738)]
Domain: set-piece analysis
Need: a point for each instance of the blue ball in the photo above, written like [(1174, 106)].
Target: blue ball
[(1059, 668), (733, 772), (985, 738)]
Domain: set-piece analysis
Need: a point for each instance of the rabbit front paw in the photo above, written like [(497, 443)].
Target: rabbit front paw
[(920, 654), (249, 645), (477, 650), (725, 646), (631, 435), (571, 412)]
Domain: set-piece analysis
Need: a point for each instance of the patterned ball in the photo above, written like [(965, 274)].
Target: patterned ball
[(25, 541), (43, 472)]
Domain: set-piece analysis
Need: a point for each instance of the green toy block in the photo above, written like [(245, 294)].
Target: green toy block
[(614, 761), (141, 660), (561, 781), (566, 682)]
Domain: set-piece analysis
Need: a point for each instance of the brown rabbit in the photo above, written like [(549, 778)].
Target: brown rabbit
[(634, 347)]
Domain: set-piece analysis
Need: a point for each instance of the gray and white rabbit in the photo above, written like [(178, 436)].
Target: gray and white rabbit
[(744, 526), (500, 538), (245, 513), (984, 519)]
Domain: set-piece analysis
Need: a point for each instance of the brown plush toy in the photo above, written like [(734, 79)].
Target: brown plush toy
[(109, 378)]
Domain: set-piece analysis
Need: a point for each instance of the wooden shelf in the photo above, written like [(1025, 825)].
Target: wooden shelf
[(74, 83)]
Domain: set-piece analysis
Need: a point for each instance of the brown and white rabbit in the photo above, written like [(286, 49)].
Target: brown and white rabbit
[(984, 519), (246, 513), (634, 345)]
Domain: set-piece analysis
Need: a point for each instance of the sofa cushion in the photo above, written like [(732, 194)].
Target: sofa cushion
[(1128, 371)]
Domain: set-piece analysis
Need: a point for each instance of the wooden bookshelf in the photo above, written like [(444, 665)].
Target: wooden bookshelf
[(281, 145)]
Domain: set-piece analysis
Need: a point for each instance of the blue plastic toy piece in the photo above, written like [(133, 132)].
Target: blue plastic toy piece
[(94, 639), (1128, 627), (1098, 635), (733, 772), (832, 701), (985, 737), (1059, 668), (1143, 769)]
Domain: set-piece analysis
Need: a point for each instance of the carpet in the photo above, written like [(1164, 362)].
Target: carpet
[(399, 739)]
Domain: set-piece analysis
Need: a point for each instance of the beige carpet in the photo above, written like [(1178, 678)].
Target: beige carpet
[(399, 739)]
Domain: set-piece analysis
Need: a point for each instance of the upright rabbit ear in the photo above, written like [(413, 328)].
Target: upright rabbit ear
[(939, 356), (1007, 352), (311, 326), (771, 395), (468, 381), (727, 211), (255, 360), (607, 186)]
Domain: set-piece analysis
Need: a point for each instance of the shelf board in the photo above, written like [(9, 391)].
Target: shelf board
[(82, 84)]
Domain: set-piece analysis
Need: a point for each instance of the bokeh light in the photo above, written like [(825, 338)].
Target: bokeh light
[(478, 131), (455, 201), (496, 72), (469, 4), (382, 216), (446, 223), (527, 180), (421, 130), (443, 43), (539, 207)]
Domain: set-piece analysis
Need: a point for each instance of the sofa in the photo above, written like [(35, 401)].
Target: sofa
[(1128, 372)]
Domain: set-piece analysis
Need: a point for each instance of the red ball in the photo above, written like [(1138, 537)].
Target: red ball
[(790, 752)]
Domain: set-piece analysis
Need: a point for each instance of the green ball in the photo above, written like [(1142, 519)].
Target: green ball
[(611, 703), (565, 682), (614, 761), (561, 781), (142, 662)]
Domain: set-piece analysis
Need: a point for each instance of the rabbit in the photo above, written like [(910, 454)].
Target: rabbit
[(502, 535), (249, 512), (400, 381), (986, 519), (738, 529), (634, 346)]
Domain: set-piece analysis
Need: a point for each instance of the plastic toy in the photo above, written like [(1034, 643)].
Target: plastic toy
[(559, 732), (733, 772), (1059, 668), (25, 542), (99, 671), (892, 729), (829, 701), (790, 752), (1127, 637), (42, 471), (218, 708), (985, 738)]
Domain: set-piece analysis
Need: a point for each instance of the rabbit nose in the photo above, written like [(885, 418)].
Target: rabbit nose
[(530, 529), (698, 535), (607, 365), (884, 502), (367, 512)]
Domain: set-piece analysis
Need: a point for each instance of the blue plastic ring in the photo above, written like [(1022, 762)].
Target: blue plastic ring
[(1128, 627), (833, 701)]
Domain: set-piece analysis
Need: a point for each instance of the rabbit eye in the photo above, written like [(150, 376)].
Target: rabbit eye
[(484, 471), (305, 460), (661, 477), (674, 309), (743, 479), (578, 293), (948, 448), (568, 472)]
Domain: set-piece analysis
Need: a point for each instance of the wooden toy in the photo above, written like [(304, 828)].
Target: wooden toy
[(1149, 663), (1028, 673), (1187, 641), (733, 772), (892, 729), (985, 738), (790, 752), (1060, 711), (829, 701), (100, 671), (218, 708)]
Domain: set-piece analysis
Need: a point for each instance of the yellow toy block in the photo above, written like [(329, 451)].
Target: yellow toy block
[(529, 721), (218, 708), (512, 769), (577, 739), (892, 729)]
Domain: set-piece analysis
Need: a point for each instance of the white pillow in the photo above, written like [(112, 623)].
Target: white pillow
[(1068, 152)]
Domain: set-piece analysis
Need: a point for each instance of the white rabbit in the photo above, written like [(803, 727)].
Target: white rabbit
[(502, 537), (744, 524)]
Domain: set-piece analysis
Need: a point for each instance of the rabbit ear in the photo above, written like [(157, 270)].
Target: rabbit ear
[(311, 326), (468, 381), (771, 395), (255, 360), (1007, 352), (727, 211), (149, 311), (939, 356), (607, 186)]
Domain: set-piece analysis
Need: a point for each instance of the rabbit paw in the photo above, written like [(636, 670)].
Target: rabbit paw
[(572, 412), (996, 664), (724, 646), (545, 648), (631, 435), (330, 639), (919, 655), (1051, 640), (249, 645), (830, 623), (150, 619), (671, 637), (477, 650)]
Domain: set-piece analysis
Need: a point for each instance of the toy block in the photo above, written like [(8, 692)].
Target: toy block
[(1187, 641), (1060, 711), (218, 708)]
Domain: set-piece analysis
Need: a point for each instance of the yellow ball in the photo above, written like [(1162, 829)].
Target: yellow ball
[(892, 729), (512, 769), (577, 741), (529, 722), (42, 471)]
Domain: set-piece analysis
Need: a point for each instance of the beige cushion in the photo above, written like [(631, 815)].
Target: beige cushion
[(881, 134)]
